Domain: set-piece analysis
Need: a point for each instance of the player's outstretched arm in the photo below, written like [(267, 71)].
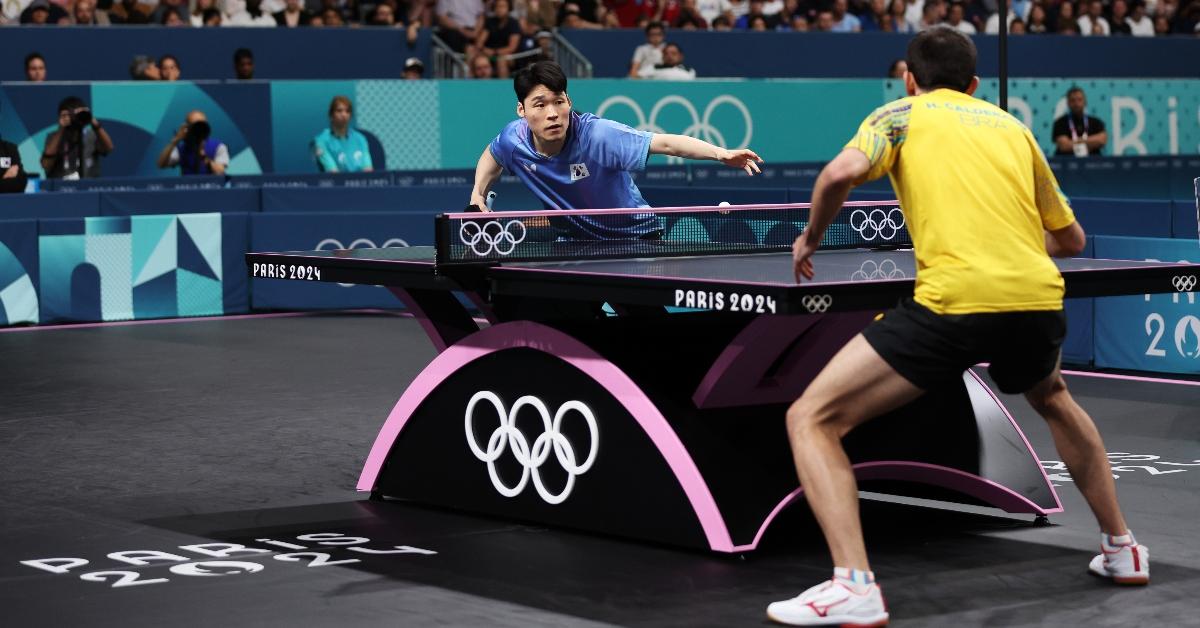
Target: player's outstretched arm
[(486, 173), (692, 148), (833, 186)]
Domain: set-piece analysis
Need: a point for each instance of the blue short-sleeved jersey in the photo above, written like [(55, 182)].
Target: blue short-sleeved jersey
[(591, 172), (342, 154)]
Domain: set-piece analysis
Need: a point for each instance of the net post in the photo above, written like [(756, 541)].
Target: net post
[(441, 239)]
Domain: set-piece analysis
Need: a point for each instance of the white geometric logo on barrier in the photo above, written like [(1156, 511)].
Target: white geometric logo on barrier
[(333, 244), (877, 224), (870, 270), (700, 127), (492, 236), (1185, 348), (507, 436), (816, 303), (1184, 283)]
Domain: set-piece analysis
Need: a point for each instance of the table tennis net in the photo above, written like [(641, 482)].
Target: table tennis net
[(658, 232)]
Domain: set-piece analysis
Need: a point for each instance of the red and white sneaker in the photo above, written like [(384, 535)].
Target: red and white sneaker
[(832, 603), (1124, 564)]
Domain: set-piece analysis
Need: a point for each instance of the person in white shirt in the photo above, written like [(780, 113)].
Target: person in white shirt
[(1093, 22), (956, 21), (649, 54), (248, 13), (671, 68), (1140, 25), (993, 22), (710, 9), (914, 11)]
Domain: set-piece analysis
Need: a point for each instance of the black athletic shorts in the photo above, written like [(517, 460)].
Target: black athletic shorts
[(931, 349)]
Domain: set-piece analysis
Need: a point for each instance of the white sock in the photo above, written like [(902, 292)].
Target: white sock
[(1120, 541), (856, 580)]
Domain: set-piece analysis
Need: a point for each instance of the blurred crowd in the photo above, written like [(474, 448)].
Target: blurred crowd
[(466, 24)]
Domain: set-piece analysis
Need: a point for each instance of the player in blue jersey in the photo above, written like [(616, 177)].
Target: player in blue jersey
[(579, 161)]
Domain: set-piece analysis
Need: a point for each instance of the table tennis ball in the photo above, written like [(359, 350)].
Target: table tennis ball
[(723, 204)]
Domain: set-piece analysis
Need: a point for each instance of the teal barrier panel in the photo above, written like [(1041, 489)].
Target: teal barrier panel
[(136, 267), (18, 272), (1158, 332)]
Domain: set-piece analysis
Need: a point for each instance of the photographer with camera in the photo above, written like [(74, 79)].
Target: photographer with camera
[(75, 149), (194, 150)]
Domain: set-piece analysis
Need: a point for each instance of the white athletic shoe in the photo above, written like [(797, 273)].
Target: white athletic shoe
[(1124, 564), (832, 604)]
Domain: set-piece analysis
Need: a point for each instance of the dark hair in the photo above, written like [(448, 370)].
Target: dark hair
[(545, 73), (677, 46), (242, 53), (653, 25), (70, 102), (1074, 88), (33, 55), (341, 100), (171, 57), (942, 57), (895, 64)]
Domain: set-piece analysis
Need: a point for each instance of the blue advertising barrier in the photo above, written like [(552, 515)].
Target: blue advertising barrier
[(334, 230), (319, 180), (120, 267), (1079, 345), (18, 272), (78, 205), (1123, 217), (132, 184), (684, 196), (178, 202), (1159, 332), (1184, 218)]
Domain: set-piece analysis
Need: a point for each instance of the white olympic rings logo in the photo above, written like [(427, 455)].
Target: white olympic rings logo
[(531, 459), (360, 243), (700, 127), (492, 236), (870, 270), (816, 303), (1184, 283), (877, 223)]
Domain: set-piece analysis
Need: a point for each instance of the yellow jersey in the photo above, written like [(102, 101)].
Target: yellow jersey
[(977, 195)]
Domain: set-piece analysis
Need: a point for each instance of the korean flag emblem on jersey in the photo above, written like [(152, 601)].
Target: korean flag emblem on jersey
[(6, 163), (579, 171)]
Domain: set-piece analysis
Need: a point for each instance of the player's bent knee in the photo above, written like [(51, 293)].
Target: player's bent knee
[(805, 417)]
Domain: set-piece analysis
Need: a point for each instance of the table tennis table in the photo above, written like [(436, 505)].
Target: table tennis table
[(638, 388)]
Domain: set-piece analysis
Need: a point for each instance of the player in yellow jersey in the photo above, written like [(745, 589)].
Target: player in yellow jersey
[(985, 214)]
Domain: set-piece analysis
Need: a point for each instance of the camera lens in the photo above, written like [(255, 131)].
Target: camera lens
[(82, 117)]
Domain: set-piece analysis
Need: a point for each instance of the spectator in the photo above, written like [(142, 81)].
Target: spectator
[(897, 69), (382, 15), (843, 20), (212, 17), (993, 21), (931, 15), (1093, 22), (40, 12), (199, 7), (332, 17), (1037, 20), (689, 17), (178, 7), (956, 14), (737, 8), (130, 12), (252, 15), (168, 68), (1139, 24), (413, 69), (35, 67), (481, 67), (243, 64), (648, 54), (341, 148), (84, 13), (671, 68), (194, 150), (458, 22), (758, 22), (722, 23), (1077, 133), (172, 19), (875, 17), (12, 174), (710, 9), (1118, 23), (584, 14), (755, 10), (898, 21), (824, 21), (1162, 26), (543, 42), (1017, 27), (799, 23), (75, 149), (499, 37), (294, 14), (1065, 15), (144, 68)]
